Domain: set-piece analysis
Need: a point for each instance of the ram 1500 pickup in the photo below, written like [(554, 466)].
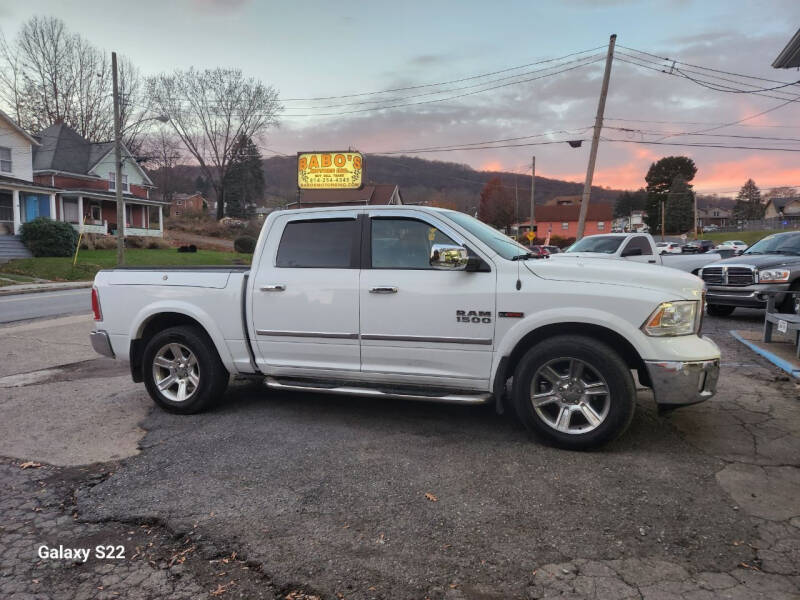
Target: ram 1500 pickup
[(770, 265), (418, 303)]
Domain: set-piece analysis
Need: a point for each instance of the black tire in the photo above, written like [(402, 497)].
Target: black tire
[(719, 310), (619, 401), (791, 304), (210, 374)]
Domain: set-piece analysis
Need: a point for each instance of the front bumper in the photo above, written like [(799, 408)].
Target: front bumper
[(677, 383), (101, 343), (749, 296)]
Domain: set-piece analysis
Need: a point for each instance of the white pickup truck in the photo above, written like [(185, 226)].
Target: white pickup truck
[(635, 247), (418, 303)]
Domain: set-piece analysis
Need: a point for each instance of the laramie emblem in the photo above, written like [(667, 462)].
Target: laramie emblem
[(473, 316)]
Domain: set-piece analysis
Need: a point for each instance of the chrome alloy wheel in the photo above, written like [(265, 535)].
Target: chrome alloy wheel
[(570, 395), (176, 372)]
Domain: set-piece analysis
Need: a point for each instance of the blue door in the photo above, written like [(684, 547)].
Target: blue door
[(36, 205)]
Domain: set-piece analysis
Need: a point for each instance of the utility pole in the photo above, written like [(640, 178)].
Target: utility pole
[(663, 214), (695, 215), (533, 187), (598, 125), (118, 167)]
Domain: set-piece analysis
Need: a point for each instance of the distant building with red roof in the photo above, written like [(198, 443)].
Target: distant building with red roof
[(562, 220)]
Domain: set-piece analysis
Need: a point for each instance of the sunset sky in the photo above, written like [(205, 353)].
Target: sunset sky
[(316, 49)]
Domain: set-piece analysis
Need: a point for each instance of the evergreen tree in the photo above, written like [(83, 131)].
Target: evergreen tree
[(668, 173), (680, 206), (748, 203), (627, 202), (244, 183)]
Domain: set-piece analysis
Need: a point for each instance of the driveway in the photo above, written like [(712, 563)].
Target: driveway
[(334, 497)]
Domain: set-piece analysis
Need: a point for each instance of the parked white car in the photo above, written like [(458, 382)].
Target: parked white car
[(668, 248), (417, 303), (737, 246)]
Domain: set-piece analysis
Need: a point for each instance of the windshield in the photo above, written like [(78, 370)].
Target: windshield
[(781, 243), (497, 241), (604, 244)]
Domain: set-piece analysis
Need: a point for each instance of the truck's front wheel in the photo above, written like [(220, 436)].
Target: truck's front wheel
[(182, 371), (574, 391), (720, 310)]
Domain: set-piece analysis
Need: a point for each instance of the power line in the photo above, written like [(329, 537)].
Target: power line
[(425, 85), (700, 145), (446, 91)]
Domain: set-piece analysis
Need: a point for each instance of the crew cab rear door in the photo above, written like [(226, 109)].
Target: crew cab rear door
[(639, 249), (415, 320), (305, 293)]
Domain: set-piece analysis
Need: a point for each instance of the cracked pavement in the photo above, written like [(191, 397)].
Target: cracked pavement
[(322, 496)]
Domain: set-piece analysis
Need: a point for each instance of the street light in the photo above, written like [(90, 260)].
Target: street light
[(118, 162)]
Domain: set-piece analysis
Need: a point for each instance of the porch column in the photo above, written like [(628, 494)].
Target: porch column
[(161, 219), (17, 212), (53, 207), (61, 207), (80, 213)]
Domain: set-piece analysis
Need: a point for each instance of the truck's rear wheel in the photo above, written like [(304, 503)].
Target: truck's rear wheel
[(574, 391), (182, 371), (720, 310)]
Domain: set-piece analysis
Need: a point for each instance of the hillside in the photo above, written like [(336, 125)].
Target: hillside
[(423, 180)]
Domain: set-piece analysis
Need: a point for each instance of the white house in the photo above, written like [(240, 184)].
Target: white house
[(17, 188)]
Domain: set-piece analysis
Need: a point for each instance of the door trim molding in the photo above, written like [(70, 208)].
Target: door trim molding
[(422, 338), (308, 334)]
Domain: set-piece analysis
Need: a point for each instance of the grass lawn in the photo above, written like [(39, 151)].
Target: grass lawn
[(91, 261), (748, 237)]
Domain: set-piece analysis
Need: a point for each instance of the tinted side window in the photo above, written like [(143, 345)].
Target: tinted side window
[(642, 243), (329, 244), (404, 243)]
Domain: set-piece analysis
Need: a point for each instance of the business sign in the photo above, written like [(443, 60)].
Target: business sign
[(329, 170)]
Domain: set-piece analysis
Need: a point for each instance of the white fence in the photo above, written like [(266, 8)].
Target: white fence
[(101, 229), (143, 232)]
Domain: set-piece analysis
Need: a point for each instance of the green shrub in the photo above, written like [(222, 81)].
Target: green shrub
[(46, 237), (245, 244)]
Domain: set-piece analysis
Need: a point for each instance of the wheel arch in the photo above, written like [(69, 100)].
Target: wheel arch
[(618, 343), (152, 325)]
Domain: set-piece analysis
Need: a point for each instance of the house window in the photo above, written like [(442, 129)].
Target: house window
[(177, 213), (112, 180), (601, 226), (95, 214), (5, 160), (179, 202), (565, 225)]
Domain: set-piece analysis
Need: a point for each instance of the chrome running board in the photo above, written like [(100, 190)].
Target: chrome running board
[(371, 392)]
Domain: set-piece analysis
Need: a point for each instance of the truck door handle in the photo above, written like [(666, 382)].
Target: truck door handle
[(652, 261), (278, 287), (383, 290)]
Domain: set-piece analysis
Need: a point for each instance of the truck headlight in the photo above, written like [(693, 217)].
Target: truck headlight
[(773, 275), (681, 317)]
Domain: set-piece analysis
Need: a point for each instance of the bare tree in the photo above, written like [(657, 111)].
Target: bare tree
[(210, 111), (49, 75), (162, 150)]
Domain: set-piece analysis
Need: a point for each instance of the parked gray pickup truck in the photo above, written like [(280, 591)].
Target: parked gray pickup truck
[(771, 264)]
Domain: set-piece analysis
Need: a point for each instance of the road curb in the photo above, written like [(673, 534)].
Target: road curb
[(43, 287), (773, 358)]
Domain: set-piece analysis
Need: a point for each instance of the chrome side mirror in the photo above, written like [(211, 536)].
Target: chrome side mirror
[(449, 258)]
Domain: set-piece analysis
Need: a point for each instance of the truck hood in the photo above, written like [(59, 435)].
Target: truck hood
[(592, 269), (760, 261)]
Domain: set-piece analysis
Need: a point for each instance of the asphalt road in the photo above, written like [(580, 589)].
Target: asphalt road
[(20, 307), (352, 498)]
